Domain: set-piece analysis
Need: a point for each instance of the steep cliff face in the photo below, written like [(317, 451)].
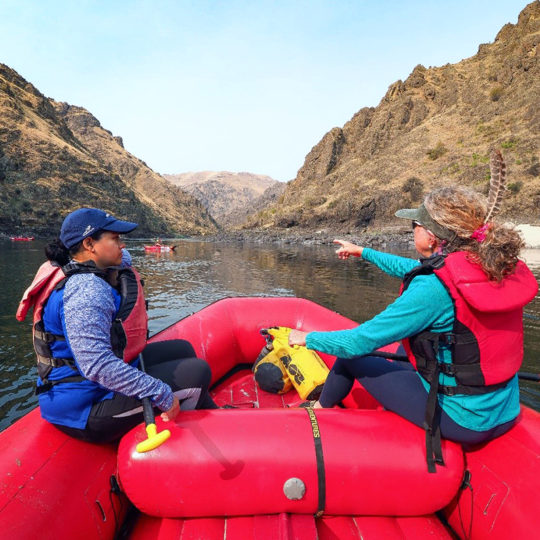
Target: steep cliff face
[(55, 157), (435, 128), (228, 196)]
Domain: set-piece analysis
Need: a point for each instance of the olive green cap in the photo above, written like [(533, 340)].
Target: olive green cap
[(421, 216)]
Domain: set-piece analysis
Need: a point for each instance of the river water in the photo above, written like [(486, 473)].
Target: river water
[(199, 273)]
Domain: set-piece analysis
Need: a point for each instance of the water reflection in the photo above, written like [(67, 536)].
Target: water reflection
[(199, 273), (19, 262)]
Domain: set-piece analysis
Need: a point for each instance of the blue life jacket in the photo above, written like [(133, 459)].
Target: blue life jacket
[(69, 403)]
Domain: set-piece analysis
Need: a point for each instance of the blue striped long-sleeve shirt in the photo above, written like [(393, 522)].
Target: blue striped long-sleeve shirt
[(89, 309)]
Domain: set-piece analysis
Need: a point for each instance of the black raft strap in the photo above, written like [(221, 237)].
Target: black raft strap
[(321, 476)]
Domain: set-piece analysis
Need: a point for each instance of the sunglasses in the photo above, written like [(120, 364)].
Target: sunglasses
[(416, 224)]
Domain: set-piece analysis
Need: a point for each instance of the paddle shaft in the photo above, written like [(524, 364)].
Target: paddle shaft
[(522, 375), (154, 439), (148, 410)]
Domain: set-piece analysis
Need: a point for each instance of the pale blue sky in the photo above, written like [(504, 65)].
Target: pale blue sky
[(234, 85)]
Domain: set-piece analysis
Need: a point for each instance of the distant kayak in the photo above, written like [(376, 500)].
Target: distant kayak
[(22, 238), (159, 249)]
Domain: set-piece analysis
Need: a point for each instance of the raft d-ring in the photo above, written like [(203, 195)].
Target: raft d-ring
[(294, 489)]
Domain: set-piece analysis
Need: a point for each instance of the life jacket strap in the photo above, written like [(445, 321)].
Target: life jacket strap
[(448, 390), (432, 417), (56, 362), (48, 385), (88, 267), (47, 337), (426, 267), (469, 377)]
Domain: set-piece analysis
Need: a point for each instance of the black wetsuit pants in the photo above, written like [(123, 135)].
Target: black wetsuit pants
[(175, 363), (398, 388)]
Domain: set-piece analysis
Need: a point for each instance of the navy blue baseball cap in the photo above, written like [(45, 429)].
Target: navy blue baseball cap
[(85, 222)]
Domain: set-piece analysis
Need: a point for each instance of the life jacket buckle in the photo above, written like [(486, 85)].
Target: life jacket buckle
[(447, 369), (49, 338), (449, 390), (49, 362), (448, 339)]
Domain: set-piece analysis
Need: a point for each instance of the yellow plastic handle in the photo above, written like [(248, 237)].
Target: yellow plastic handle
[(281, 333), (154, 440), (281, 336)]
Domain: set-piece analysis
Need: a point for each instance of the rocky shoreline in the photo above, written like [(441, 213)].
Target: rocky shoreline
[(379, 239), (391, 237)]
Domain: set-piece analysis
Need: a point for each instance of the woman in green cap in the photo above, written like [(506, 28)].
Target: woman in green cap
[(459, 318)]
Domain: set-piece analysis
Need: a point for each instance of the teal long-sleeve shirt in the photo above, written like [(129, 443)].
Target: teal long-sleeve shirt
[(425, 305)]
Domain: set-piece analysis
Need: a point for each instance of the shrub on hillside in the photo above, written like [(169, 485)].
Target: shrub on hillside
[(515, 187), (496, 93), (437, 152), (534, 169), (414, 186), (509, 144)]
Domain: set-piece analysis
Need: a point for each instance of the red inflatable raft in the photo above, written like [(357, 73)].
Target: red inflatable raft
[(22, 238), (159, 249), (256, 473)]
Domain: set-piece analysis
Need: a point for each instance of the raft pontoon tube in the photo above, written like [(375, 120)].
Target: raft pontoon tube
[(250, 461)]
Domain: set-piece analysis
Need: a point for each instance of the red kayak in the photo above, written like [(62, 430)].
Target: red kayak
[(266, 471), (22, 238), (159, 249)]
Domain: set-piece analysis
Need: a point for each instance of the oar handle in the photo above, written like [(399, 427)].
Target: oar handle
[(154, 439), (525, 376), (148, 411)]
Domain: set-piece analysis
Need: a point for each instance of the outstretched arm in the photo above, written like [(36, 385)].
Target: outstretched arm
[(394, 265), (425, 303), (346, 249)]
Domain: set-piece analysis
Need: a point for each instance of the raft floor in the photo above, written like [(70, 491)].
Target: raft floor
[(241, 390)]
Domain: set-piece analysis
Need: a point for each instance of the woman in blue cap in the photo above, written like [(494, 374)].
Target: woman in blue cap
[(89, 329)]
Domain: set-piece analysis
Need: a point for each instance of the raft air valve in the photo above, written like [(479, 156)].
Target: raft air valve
[(294, 489)]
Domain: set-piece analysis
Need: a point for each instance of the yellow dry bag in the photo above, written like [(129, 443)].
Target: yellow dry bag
[(270, 373), (305, 368)]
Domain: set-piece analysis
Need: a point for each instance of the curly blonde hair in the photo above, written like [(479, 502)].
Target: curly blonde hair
[(462, 211)]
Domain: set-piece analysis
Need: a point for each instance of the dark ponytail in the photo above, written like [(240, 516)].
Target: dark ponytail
[(57, 253)]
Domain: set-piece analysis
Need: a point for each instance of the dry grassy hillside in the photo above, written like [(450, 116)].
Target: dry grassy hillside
[(436, 127), (55, 157)]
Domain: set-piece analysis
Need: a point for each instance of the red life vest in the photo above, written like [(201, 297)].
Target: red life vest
[(486, 341), (128, 330)]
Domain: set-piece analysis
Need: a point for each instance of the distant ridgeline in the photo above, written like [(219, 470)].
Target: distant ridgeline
[(435, 128), (229, 197), (55, 157)]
